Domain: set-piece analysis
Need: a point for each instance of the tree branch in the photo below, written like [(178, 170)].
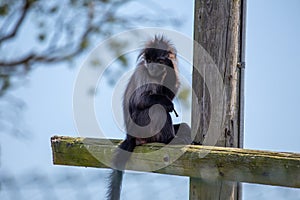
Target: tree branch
[(18, 23), (55, 52), (48, 57)]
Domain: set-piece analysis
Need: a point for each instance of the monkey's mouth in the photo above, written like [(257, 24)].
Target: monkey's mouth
[(156, 70)]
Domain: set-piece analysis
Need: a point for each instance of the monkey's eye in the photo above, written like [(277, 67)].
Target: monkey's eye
[(161, 61)]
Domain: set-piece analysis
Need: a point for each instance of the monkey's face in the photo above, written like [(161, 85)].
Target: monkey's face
[(156, 70), (157, 62)]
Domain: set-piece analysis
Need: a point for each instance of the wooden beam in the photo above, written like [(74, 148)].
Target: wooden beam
[(218, 28), (208, 164)]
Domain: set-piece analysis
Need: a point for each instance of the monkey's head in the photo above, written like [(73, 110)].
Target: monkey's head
[(158, 55)]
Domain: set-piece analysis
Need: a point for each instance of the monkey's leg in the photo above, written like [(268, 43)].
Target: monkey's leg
[(183, 134), (167, 133), (123, 153), (158, 130)]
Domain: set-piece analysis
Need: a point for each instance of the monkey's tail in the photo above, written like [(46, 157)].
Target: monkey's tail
[(122, 155)]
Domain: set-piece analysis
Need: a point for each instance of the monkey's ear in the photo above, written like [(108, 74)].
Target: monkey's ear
[(141, 56), (172, 55)]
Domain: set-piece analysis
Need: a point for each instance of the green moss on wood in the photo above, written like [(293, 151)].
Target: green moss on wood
[(205, 162)]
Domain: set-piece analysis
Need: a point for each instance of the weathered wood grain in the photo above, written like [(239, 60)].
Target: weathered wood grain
[(206, 163), (217, 28)]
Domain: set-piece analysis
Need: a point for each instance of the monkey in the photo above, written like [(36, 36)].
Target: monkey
[(147, 104)]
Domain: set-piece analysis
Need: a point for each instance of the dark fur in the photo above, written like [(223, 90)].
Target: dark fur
[(155, 81)]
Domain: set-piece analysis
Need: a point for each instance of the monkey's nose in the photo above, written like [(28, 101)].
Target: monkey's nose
[(161, 61)]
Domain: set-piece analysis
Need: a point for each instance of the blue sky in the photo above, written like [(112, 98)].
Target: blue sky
[(271, 110), (272, 88)]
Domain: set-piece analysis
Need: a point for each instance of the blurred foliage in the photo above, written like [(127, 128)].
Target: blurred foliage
[(57, 184), (35, 33), (40, 33), (184, 95)]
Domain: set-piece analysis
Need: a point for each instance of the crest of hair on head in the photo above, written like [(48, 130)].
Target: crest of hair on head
[(158, 42)]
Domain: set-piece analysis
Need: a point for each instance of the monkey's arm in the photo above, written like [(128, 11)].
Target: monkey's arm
[(146, 101)]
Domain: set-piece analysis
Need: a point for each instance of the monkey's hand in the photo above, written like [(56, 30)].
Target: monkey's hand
[(176, 114), (167, 104), (146, 101)]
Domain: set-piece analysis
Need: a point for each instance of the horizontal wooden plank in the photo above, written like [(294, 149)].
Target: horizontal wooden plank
[(205, 162)]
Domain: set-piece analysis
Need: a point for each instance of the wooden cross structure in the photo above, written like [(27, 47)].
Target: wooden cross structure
[(215, 167)]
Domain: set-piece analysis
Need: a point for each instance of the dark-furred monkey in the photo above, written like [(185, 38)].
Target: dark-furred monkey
[(147, 104)]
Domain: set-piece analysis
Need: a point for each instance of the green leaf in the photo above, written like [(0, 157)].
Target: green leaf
[(73, 2), (53, 10), (41, 37), (4, 10), (123, 60), (84, 44), (32, 1), (184, 94), (41, 24), (95, 62), (4, 83)]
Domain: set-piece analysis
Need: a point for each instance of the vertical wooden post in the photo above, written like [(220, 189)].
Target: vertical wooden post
[(219, 29)]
